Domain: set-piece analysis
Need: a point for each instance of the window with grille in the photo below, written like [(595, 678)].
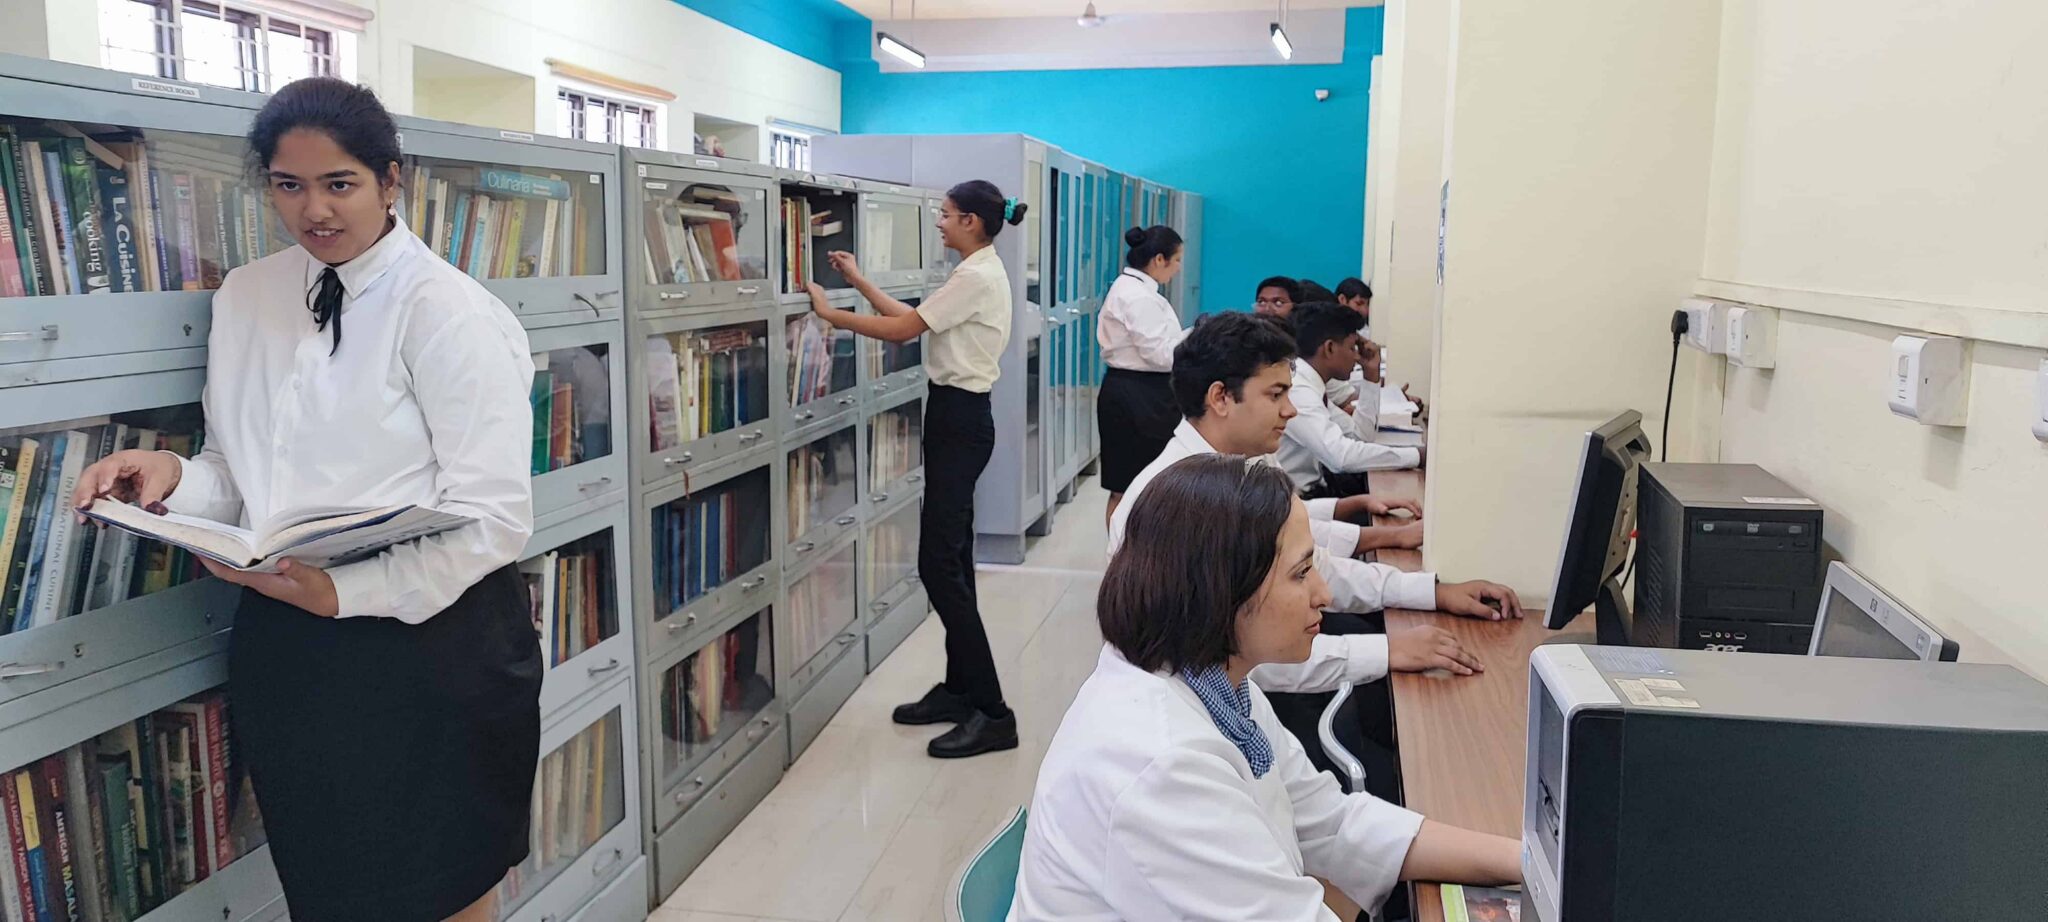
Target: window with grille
[(590, 117), (789, 151), (239, 45)]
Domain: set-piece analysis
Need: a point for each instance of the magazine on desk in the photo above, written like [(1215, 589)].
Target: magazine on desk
[(315, 537)]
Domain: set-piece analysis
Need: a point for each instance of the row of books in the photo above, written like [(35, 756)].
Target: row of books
[(694, 237), (96, 212), (820, 359), (579, 795), (502, 224), (709, 696), (887, 358), (895, 445), (51, 566), (703, 541), (821, 605), (114, 827), (810, 229), (891, 549), (571, 589), (705, 381), (821, 479), (568, 430)]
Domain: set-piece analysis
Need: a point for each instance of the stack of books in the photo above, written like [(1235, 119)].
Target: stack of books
[(694, 237), (704, 382), (571, 590), (895, 445), (891, 549), (820, 481), (887, 358), (120, 824), (709, 696), (579, 794), (820, 359), (106, 211), (821, 605), (503, 224), (51, 566)]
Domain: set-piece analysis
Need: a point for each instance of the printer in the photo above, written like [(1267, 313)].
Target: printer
[(1670, 785)]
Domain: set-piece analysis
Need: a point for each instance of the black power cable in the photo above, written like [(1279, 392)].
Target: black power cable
[(1680, 323)]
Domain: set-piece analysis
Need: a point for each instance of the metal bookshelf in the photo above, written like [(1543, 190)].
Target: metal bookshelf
[(1061, 262), (767, 634)]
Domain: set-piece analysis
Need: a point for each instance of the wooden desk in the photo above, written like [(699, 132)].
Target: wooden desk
[(1462, 739)]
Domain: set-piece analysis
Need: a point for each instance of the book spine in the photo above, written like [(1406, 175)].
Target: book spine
[(11, 285), (28, 485), (53, 190), (173, 745), (28, 190), (216, 715), (182, 193), (88, 806), (14, 187), (163, 242), (152, 822), (22, 842), (82, 199), (34, 574), (57, 832), (125, 266), (217, 192), (115, 780), (60, 576), (139, 194)]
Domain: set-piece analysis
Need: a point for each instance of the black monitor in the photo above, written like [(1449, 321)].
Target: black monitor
[(1596, 536), (1857, 618)]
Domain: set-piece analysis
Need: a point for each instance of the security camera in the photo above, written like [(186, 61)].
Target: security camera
[(1322, 95)]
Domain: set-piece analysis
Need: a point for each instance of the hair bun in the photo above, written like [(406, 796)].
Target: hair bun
[(1134, 236), (1017, 214)]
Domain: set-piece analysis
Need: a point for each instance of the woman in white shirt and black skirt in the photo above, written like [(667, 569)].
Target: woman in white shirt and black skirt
[(388, 710), (969, 319), (1138, 330)]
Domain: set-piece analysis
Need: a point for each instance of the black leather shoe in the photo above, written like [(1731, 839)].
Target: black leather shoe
[(938, 706), (978, 734)]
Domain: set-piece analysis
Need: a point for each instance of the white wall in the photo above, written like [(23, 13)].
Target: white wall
[(1881, 160), (1410, 143), (1576, 149)]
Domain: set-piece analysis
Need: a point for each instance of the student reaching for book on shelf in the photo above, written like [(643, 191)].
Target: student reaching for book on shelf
[(969, 319), (388, 709)]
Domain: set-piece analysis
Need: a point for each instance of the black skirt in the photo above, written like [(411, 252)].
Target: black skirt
[(393, 763), (1136, 417)]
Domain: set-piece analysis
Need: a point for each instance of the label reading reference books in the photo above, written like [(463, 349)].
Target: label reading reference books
[(164, 89)]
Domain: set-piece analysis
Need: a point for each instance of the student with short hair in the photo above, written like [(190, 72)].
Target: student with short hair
[(1171, 790), (1137, 330), (1356, 294), (1277, 297), (1312, 292), (1316, 446)]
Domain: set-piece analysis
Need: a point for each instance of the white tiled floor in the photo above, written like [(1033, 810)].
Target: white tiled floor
[(866, 827)]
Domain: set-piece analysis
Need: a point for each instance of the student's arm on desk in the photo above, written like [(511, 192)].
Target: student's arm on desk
[(1447, 853)]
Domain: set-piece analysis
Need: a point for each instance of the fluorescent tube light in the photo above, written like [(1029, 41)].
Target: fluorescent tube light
[(902, 52), (1280, 44)]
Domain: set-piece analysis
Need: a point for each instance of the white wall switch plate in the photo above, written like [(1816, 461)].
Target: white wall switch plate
[(1752, 337), (1930, 379), (1703, 325)]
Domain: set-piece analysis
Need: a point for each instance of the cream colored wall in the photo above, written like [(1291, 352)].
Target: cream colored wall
[(451, 90), (1577, 150), (1410, 142), (1878, 166)]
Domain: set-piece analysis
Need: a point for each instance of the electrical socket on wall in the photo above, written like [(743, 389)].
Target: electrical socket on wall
[(1930, 380), (1752, 337), (1704, 330)]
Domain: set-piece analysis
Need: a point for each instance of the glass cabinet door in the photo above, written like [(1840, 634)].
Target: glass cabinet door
[(822, 484), (815, 222), (704, 382), (1034, 449), (579, 795), (705, 539), (711, 696), (821, 359), (1034, 189), (892, 237), (506, 221), (822, 605), (700, 232), (572, 406), (895, 446), (890, 554), (887, 358), (572, 591)]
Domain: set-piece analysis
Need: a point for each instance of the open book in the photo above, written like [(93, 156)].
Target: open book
[(316, 537)]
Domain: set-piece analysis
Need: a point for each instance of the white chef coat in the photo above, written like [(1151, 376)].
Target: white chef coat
[(1315, 442), (1144, 812), (1138, 328), (1355, 586), (425, 402)]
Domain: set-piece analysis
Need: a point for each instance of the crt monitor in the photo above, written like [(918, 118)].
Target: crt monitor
[(1858, 619), (1596, 536)]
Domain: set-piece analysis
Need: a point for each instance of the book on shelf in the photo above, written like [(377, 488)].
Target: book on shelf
[(496, 223), (316, 537)]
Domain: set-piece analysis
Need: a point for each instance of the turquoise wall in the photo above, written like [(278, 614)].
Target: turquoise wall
[(1282, 176)]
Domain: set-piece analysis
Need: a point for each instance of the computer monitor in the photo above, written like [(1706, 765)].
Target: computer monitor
[(1858, 619), (1596, 536)]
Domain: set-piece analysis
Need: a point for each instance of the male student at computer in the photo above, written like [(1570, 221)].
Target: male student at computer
[(1316, 446)]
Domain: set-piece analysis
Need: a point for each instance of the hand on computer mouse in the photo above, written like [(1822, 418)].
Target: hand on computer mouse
[(1426, 647), (1478, 599)]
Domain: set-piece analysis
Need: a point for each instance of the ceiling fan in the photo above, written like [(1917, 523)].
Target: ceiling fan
[(1089, 19)]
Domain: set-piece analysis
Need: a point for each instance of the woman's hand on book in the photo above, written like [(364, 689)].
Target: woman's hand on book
[(295, 584), (131, 476)]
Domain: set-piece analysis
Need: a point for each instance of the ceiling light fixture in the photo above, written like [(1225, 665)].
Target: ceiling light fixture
[(1280, 42), (896, 47), (1089, 19)]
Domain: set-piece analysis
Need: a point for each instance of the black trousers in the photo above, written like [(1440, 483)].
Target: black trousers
[(1338, 486), (959, 436)]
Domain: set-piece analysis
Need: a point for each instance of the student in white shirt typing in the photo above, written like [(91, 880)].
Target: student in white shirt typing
[(1138, 330), (1316, 446)]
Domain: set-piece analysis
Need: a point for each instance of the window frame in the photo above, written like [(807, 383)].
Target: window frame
[(256, 25), (573, 99)]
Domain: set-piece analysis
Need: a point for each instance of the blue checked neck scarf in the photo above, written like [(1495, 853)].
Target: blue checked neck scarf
[(1230, 706)]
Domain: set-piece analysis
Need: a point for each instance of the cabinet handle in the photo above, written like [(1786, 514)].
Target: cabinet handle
[(749, 585), (677, 627), (914, 478), (845, 639), (610, 864), (881, 385), (599, 483), (879, 606), (690, 793), (804, 547), (915, 578), (802, 415), (880, 497), (588, 303), (759, 730), (47, 334), (25, 670), (751, 437), (749, 289), (674, 295), (683, 458), (596, 671), (848, 401), (846, 520)]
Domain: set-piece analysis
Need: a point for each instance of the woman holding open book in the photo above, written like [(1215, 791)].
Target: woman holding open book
[(388, 709), (969, 319)]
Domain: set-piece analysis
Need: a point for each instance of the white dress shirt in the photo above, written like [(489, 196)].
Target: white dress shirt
[(1138, 328), (425, 402), (1144, 812), (969, 317), (1355, 586), (1315, 442)]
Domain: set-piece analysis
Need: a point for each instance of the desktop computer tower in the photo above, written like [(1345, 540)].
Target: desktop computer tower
[(1728, 558)]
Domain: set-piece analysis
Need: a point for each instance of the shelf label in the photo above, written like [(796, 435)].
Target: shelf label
[(596, 180), (164, 89), (515, 135), (658, 186), (710, 163)]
